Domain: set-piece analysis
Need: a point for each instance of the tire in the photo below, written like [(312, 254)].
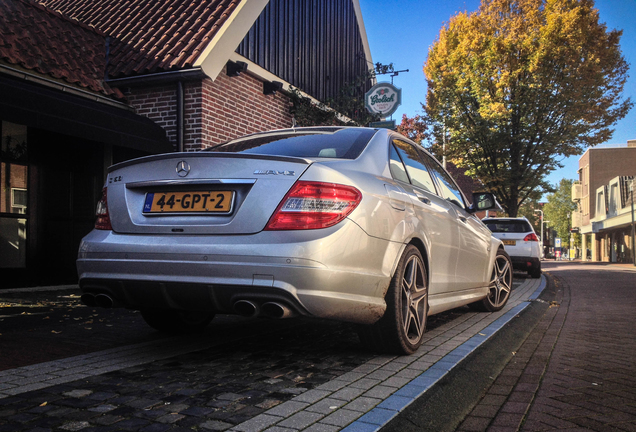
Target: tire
[(176, 321), (499, 287), (402, 327)]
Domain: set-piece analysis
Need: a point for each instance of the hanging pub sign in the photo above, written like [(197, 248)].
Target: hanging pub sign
[(383, 99)]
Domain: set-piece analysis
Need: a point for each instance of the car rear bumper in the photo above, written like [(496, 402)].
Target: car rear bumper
[(525, 263), (339, 273)]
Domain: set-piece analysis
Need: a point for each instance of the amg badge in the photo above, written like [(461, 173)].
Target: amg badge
[(274, 172)]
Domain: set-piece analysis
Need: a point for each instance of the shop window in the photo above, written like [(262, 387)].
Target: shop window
[(18, 200), (13, 195)]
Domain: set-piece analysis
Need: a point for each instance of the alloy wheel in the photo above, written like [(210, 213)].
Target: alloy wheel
[(501, 282), (414, 299)]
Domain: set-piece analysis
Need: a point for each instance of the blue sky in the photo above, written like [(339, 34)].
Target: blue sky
[(401, 32)]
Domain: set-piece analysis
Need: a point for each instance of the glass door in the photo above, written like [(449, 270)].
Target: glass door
[(14, 210)]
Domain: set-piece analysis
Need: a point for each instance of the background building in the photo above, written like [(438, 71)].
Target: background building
[(604, 197)]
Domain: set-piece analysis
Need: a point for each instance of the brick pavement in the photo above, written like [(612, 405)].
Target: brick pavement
[(576, 370), (279, 387)]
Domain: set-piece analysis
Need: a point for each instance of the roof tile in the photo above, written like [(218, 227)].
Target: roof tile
[(46, 42), (150, 36)]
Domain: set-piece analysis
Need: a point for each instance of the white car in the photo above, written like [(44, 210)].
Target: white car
[(520, 241)]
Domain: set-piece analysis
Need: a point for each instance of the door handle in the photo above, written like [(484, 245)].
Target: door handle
[(462, 218), (423, 198)]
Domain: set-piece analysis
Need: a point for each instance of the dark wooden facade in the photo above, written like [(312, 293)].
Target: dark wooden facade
[(315, 45)]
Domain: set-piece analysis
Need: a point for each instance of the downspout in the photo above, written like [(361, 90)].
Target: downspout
[(180, 117)]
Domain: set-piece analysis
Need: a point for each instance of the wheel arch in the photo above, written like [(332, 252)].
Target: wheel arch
[(419, 244)]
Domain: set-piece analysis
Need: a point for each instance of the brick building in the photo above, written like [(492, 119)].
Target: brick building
[(603, 194), (88, 83)]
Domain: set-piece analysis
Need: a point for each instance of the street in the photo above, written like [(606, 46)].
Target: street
[(64, 366)]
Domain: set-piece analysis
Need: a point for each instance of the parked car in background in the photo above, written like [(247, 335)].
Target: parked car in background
[(351, 224), (520, 241)]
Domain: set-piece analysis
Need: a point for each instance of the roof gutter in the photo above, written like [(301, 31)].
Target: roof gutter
[(158, 78), (27, 76)]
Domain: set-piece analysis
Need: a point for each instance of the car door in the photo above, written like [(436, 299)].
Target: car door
[(434, 217), (474, 237)]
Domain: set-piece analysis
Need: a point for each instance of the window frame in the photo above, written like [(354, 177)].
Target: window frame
[(432, 161), (392, 140), (427, 160)]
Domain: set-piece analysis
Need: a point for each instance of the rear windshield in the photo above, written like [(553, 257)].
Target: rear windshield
[(341, 144), (508, 226)]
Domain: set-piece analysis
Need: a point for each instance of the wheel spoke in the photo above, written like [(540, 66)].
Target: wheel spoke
[(500, 283), (414, 299)]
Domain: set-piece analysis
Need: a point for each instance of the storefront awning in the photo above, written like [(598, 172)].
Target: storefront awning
[(41, 107)]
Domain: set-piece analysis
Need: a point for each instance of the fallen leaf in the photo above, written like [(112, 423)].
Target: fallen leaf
[(43, 403), (56, 332)]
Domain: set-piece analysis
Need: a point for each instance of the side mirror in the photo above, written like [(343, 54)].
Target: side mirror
[(484, 201)]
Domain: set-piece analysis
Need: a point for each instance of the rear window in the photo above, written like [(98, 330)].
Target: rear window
[(508, 226), (341, 144)]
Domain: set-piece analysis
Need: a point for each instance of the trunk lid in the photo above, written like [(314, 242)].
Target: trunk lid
[(199, 193)]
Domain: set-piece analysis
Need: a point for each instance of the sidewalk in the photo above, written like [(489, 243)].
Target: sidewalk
[(576, 370), (110, 396)]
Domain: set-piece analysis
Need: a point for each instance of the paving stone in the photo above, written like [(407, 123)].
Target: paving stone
[(256, 424), (74, 426), (156, 427), (300, 420), (215, 425), (380, 392), (320, 427), (326, 406), (341, 417), (287, 408)]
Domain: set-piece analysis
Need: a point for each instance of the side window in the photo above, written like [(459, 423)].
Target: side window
[(450, 190), (397, 167), (417, 171)]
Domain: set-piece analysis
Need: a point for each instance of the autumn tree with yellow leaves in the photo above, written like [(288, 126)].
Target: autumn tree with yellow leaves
[(520, 84)]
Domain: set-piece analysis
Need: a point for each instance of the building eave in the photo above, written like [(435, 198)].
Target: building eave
[(224, 43), (363, 36)]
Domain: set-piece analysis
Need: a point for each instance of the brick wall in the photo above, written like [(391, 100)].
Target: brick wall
[(159, 104), (215, 111)]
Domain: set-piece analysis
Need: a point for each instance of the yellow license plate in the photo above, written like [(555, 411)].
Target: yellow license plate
[(509, 242), (189, 202)]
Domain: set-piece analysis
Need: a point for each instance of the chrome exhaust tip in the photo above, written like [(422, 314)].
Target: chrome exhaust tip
[(277, 310), (104, 300), (246, 308), (88, 300)]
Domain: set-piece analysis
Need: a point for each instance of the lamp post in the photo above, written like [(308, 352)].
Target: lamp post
[(542, 252)]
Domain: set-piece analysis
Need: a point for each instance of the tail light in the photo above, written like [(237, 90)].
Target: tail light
[(103, 218), (313, 205), (531, 237)]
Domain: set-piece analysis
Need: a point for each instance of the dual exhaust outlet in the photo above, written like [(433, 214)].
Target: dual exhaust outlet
[(248, 308), (101, 300), (244, 308)]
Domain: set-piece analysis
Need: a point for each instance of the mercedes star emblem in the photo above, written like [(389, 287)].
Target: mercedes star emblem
[(183, 169)]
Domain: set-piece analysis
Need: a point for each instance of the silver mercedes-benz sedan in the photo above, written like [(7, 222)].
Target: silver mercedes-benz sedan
[(351, 224)]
